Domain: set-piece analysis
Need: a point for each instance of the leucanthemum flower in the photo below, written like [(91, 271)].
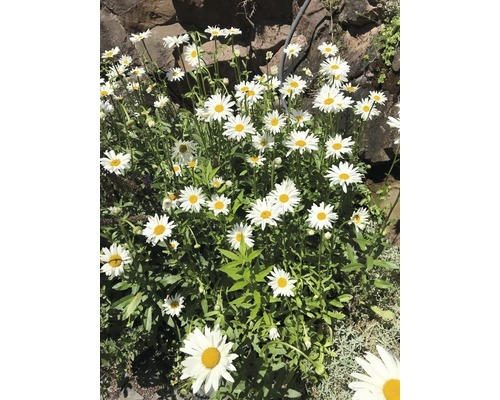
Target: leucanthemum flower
[(161, 102), (238, 127), (300, 117), (111, 53), (214, 31), (326, 98), (322, 216), (343, 175), (302, 141), (219, 107), (173, 305), (334, 66), (138, 37), (296, 84), (233, 31), (175, 74), (281, 283), (337, 147), (378, 97), (217, 182), (116, 163), (285, 195), (184, 150), (256, 160), (264, 212), (366, 109), (240, 232), (191, 199), (175, 41), (251, 95), (125, 60), (133, 86), (169, 202), (292, 50), (219, 204), (241, 88), (348, 87), (394, 123), (209, 359), (382, 381), (158, 228), (173, 244), (192, 163), (115, 258), (138, 72), (192, 56), (328, 49), (360, 218), (274, 121), (107, 89), (273, 333), (263, 141), (177, 170)]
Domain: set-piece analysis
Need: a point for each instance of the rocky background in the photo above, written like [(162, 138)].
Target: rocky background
[(364, 31)]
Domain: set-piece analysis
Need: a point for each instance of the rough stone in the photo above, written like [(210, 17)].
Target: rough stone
[(268, 38), (147, 14), (357, 47), (163, 56), (113, 33), (290, 64), (357, 12), (395, 61), (119, 7)]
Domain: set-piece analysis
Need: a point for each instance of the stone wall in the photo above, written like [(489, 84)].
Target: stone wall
[(351, 24)]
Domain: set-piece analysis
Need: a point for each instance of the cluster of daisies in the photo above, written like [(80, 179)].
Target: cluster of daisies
[(209, 357)]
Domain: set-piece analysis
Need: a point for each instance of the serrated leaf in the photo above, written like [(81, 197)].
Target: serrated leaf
[(122, 302), (132, 305), (261, 276), (238, 286), (344, 298), (122, 286), (231, 255)]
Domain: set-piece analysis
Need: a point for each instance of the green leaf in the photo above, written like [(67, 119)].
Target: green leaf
[(238, 286), (204, 306), (261, 276), (149, 318), (170, 279), (231, 255), (344, 298), (382, 284), (293, 394), (253, 254), (355, 266), (132, 305), (385, 264), (387, 315), (122, 286), (122, 302), (336, 303), (256, 297), (232, 269)]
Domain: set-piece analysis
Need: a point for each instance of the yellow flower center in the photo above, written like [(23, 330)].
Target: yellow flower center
[(376, 97), (104, 92), (263, 143), (350, 89), (115, 162), (299, 118), (250, 93), (334, 66), (159, 229), (344, 176), (115, 260), (391, 389), (173, 245), (193, 54), (210, 357), (284, 198), (172, 196), (265, 214), (366, 108), (336, 77), (175, 73), (219, 205), (328, 49), (217, 184), (108, 54), (321, 216), (239, 237), (357, 219), (192, 164), (274, 122), (281, 282), (174, 304), (176, 168), (336, 146), (219, 108), (300, 143), (294, 84), (244, 89), (328, 101), (183, 148), (254, 159), (239, 127), (193, 199)]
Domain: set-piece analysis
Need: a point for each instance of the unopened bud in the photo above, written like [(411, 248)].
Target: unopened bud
[(328, 235), (225, 81), (278, 160), (150, 122), (310, 232), (137, 230), (237, 52), (229, 184), (274, 70)]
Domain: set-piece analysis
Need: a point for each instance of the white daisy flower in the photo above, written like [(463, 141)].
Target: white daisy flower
[(366, 108), (116, 163), (348, 87), (394, 123), (209, 359), (214, 31), (378, 97), (173, 305), (183, 150), (115, 258), (169, 202), (263, 212), (240, 232), (273, 333), (381, 381), (233, 31), (192, 56), (281, 283), (177, 170), (337, 147), (114, 210), (219, 107), (138, 72), (125, 60), (334, 66), (138, 37), (256, 160), (158, 228), (300, 117), (250, 96), (161, 102), (342, 102), (219, 204), (133, 86), (106, 107), (338, 80), (173, 244), (191, 199), (263, 141), (107, 89), (322, 216), (175, 74), (241, 88), (292, 50), (238, 127), (285, 195), (217, 182), (175, 41), (296, 83), (274, 121), (328, 49), (111, 53), (302, 141), (192, 163), (343, 175), (326, 98), (360, 218)]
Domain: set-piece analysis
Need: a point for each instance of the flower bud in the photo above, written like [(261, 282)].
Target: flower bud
[(328, 235), (237, 52), (150, 122), (310, 232), (197, 246), (225, 81), (274, 70), (229, 184), (137, 230), (278, 160)]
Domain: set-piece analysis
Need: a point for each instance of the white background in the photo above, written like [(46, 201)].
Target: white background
[(50, 200)]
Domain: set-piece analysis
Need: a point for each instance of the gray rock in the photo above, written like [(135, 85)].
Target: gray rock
[(114, 34)]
